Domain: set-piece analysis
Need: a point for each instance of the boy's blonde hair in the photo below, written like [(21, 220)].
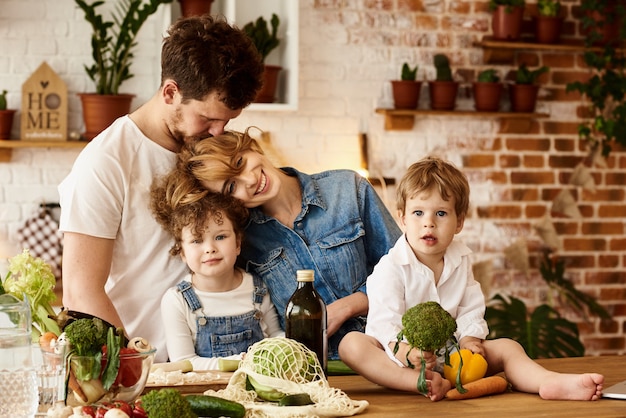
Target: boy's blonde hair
[(433, 172)]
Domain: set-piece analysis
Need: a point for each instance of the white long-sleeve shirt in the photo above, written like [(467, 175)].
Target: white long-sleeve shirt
[(180, 323), (400, 281)]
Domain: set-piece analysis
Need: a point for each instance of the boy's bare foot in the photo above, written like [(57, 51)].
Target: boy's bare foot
[(437, 386), (574, 387)]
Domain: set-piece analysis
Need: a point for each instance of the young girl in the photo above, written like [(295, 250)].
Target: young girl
[(427, 264), (218, 310)]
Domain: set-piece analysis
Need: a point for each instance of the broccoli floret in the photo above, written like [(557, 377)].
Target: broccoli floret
[(428, 327), (87, 336), (166, 403)]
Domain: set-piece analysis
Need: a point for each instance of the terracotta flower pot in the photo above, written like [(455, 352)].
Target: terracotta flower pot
[(6, 123), (406, 93), (487, 96), (101, 110), (443, 94), (195, 7), (548, 29), (507, 26), (523, 97), (267, 94)]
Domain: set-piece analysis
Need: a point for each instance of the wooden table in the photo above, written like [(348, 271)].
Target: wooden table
[(393, 404)]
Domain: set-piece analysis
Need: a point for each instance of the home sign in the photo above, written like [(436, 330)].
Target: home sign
[(44, 106)]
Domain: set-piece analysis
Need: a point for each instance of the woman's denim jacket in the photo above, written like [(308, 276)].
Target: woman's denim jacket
[(341, 232)]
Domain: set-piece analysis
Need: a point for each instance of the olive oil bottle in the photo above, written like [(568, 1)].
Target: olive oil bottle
[(305, 317)]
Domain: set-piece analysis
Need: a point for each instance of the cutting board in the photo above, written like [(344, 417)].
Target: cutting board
[(220, 382)]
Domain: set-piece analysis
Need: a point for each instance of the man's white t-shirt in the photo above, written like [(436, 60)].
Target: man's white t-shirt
[(107, 195)]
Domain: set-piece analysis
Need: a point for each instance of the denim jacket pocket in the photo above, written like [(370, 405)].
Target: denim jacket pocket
[(346, 233), (262, 267)]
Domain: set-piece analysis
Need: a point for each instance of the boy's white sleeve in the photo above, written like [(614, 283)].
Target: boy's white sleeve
[(385, 291)]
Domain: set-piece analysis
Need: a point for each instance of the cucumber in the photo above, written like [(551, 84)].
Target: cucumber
[(338, 368), (214, 406), (297, 399)]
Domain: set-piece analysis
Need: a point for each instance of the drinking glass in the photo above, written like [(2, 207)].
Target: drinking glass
[(18, 378)]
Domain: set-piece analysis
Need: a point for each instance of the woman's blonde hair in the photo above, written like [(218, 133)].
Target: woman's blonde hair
[(434, 172), (207, 160)]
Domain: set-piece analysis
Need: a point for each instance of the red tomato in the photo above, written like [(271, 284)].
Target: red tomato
[(124, 406), (138, 411), (130, 368), (102, 409), (89, 410)]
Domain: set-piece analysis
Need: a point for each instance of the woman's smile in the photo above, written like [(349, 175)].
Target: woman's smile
[(262, 184)]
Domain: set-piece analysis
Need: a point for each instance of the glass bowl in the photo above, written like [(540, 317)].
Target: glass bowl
[(129, 383)]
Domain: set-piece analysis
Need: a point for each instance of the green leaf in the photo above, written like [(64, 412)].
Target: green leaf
[(543, 333)]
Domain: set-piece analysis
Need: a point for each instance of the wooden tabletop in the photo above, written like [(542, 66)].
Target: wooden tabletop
[(388, 403)]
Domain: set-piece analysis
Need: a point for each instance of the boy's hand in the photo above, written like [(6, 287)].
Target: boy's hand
[(473, 344)]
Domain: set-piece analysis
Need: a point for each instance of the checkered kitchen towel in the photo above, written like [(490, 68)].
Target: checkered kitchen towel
[(41, 235)]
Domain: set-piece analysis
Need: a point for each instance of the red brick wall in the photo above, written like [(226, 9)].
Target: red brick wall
[(527, 167)]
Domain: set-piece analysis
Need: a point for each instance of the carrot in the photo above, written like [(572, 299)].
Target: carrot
[(45, 339), (481, 387)]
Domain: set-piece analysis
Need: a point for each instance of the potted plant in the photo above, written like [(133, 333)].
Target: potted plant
[(487, 91), (443, 89), (605, 88), (195, 7), (265, 41), (544, 333), (506, 21), (112, 43), (6, 117), (523, 93), (601, 22), (548, 22), (406, 91)]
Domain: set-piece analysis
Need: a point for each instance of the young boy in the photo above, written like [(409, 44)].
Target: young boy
[(219, 310), (427, 264)]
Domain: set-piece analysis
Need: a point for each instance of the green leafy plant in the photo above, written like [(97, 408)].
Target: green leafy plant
[(3, 100), (264, 40), (549, 8), (543, 333), (493, 4), (488, 76), (524, 75), (605, 89), (112, 42), (408, 73), (442, 65)]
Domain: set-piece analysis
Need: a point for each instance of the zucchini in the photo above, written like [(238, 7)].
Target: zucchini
[(296, 399), (214, 406)]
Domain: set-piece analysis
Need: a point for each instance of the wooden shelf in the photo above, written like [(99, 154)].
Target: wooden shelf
[(502, 52), (7, 146), (404, 119)]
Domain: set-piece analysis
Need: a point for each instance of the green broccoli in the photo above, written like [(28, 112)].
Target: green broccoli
[(428, 327), (87, 336), (166, 403)]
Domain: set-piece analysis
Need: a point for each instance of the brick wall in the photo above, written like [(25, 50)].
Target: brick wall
[(349, 50)]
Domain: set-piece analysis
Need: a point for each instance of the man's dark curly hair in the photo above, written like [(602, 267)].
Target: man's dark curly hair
[(204, 54)]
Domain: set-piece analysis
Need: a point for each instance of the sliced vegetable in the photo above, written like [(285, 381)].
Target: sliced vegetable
[(183, 365), (214, 406), (338, 368), (227, 365), (474, 367), (265, 392), (481, 387)]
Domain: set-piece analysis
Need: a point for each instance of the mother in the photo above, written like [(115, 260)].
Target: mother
[(332, 222)]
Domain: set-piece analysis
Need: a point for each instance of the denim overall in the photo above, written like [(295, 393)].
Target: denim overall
[(222, 336)]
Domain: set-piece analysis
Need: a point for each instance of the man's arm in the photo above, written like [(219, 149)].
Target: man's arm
[(86, 266)]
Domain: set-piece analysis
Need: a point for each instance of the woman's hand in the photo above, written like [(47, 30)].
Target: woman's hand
[(342, 309)]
